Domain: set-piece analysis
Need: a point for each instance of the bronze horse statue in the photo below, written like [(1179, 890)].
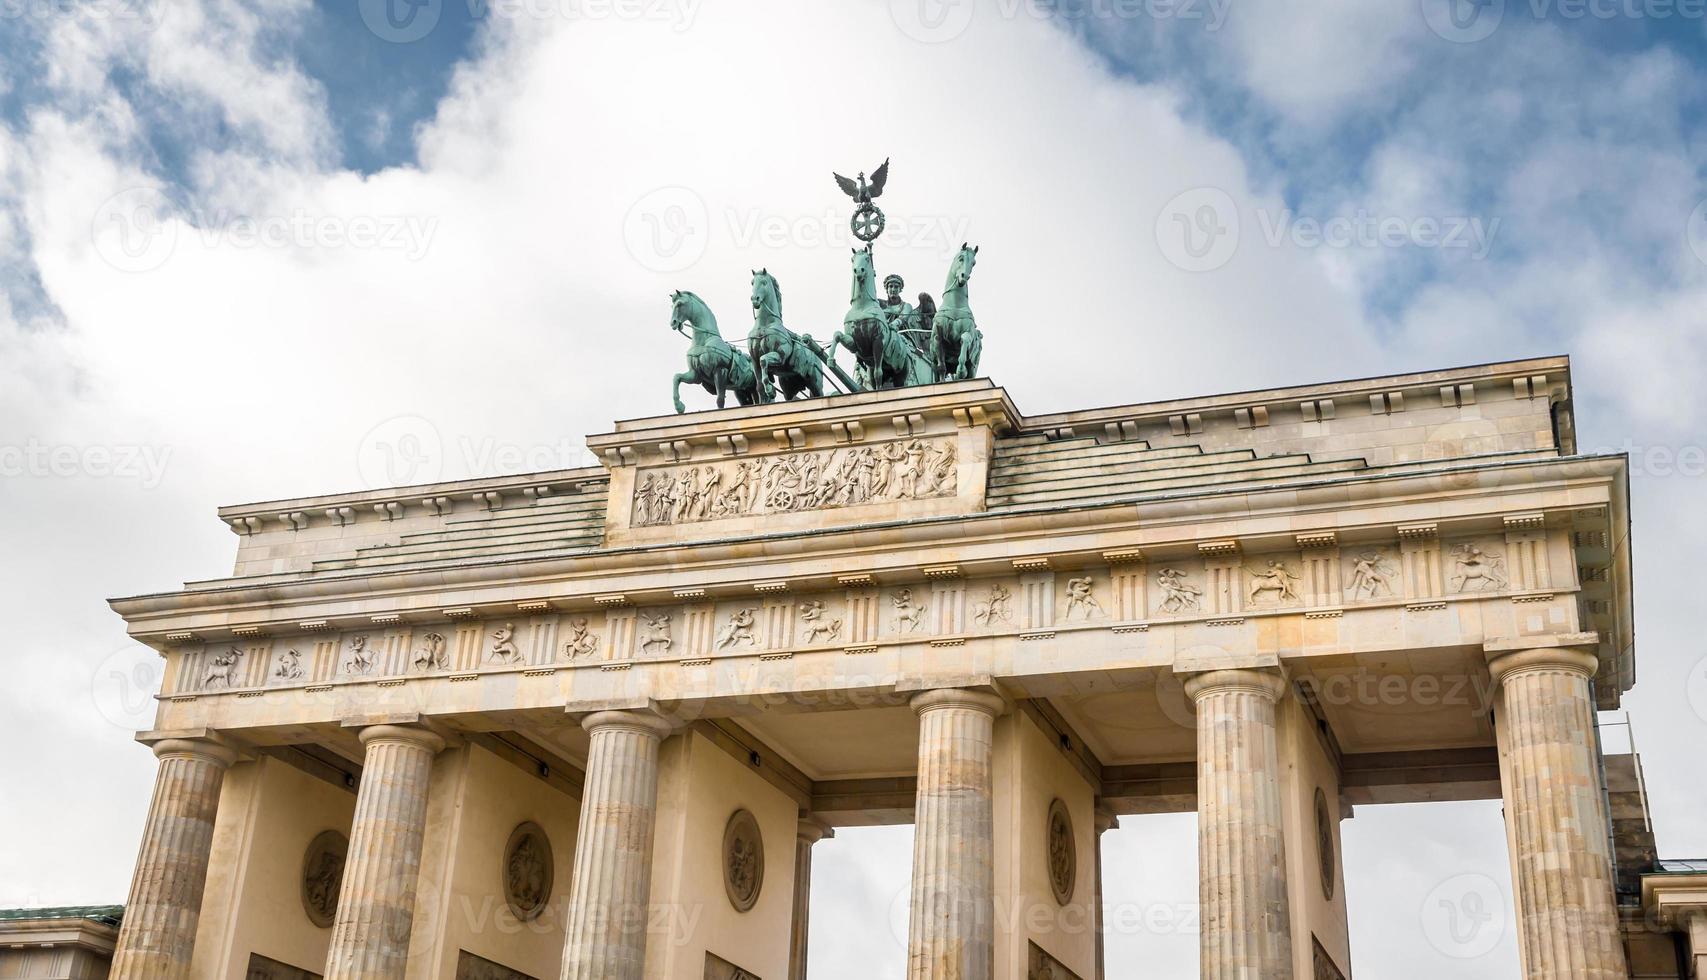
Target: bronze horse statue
[(885, 358), (956, 343), (713, 362), (781, 359)]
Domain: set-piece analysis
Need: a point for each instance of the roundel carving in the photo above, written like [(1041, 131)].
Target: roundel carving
[(1063, 853), (1325, 844), (323, 876), (743, 860), (528, 871)]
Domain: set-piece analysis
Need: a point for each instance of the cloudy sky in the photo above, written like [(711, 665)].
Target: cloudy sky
[(243, 243)]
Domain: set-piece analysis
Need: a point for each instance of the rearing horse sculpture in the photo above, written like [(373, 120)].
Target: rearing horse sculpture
[(885, 358), (956, 343), (780, 357), (712, 361)]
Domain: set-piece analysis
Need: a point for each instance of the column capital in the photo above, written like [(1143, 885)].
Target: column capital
[(959, 697), (407, 734), (639, 722), (812, 830), (1571, 652), (198, 749), (1270, 683)]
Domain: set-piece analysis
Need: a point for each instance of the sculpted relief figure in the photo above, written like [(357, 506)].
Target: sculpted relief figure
[(1081, 599), (914, 469), (290, 666), (993, 607), (816, 629), (222, 670), (1475, 570), (655, 632), (1371, 576), (1178, 595), (1274, 584), (739, 629), (361, 658), (433, 654), (908, 615), (504, 645), (582, 642)]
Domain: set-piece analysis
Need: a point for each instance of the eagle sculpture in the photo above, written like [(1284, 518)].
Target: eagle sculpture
[(861, 190)]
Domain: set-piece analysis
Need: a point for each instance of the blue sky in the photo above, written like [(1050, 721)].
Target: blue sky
[(247, 235)]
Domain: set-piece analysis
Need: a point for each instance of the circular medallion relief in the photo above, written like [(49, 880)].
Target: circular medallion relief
[(743, 860), (323, 876), (1325, 844), (527, 871), (1063, 853)]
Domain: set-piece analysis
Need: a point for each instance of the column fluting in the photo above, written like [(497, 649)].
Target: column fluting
[(952, 928), (376, 905), (1246, 922), (159, 930), (812, 830), (1567, 914), (608, 910)]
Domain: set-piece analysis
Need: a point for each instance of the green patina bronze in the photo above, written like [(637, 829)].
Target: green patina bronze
[(885, 358), (713, 362), (956, 343), (894, 344), (782, 360)]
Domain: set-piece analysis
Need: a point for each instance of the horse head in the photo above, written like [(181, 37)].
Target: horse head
[(960, 270), (766, 295), (864, 274), (681, 309)]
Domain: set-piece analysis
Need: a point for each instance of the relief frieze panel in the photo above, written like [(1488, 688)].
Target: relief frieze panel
[(849, 476)]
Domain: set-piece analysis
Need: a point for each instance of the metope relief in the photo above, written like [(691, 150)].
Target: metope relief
[(909, 614), (1273, 585), (289, 666), (917, 469), (222, 670), (582, 641), (433, 654), (504, 649), (995, 607), (814, 628), (655, 633), (739, 628), (1081, 599), (1373, 576), (1178, 595), (1476, 570), (361, 659)]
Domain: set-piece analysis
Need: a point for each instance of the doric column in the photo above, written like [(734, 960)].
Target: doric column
[(1567, 916), (606, 937), (812, 830), (159, 930), (1247, 931), (376, 905), (1106, 820), (952, 930)]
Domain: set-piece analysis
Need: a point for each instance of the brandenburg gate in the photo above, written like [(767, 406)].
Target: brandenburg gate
[(590, 723)]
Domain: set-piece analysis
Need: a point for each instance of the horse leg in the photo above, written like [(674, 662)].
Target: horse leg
[(721, 379), (676, 392)]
